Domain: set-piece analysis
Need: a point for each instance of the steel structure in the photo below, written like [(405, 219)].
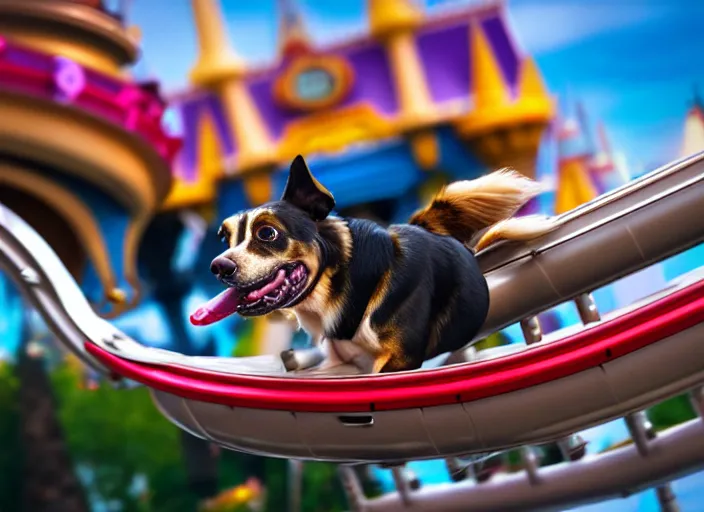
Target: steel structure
[(473, 402)]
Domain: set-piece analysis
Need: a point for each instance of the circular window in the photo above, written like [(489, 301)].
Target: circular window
[(313, 82)]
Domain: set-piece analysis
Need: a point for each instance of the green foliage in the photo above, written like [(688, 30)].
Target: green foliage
[(514, 458), (671, 412), (322, 489), (120, 435), (276, 471), (10, 453)]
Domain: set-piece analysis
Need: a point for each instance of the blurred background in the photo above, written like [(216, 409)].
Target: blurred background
[(387, 99)]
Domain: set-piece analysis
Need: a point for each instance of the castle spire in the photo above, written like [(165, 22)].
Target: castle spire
[(602, 163), (216, 59), (390, 16), (530, 83), (222, 71), (393, 22), (504, 131), (293, 36), (604, 144), (489, 86), (575, 183)]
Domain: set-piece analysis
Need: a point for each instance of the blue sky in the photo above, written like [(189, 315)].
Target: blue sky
[(632, 62)]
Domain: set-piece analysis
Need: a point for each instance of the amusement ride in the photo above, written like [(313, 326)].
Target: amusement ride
[(74, 210)]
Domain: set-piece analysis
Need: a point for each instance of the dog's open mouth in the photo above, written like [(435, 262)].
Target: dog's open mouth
[(278, 290)]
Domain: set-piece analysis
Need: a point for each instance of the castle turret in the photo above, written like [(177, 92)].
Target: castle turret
[(603, 166), (393, 23), (504, 129), (293, 36), (80, 30), (575, 185), (218, 68), (84, 157)]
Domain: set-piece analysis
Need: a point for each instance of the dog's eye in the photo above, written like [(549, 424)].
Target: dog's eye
[(267, 234)]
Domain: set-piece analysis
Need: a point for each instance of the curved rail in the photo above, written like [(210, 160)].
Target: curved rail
[(606, 227), (618, 366), (591, 347), (619, 233), (44, 281), (678, 452), (608, 369)]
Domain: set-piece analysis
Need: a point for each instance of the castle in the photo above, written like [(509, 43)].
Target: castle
[(385, 119)]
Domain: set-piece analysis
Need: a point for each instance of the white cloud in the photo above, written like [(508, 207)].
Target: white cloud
[(545, 25)]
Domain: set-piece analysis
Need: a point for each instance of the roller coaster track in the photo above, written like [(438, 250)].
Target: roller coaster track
[(610, 367)]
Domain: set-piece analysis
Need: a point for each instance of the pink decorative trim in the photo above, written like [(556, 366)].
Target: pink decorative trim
[(58, 79)]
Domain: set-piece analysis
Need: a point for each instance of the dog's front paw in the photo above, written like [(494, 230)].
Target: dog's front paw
[(301, 359), (288, 357)]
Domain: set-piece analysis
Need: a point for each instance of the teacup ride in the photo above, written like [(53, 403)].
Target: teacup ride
[(469, 402)]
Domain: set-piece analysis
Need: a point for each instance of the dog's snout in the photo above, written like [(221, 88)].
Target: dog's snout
[(223, 267)]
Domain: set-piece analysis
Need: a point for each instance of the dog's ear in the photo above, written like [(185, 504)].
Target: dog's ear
[(305, 192)]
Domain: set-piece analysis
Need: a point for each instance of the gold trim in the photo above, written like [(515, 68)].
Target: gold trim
[(54, 44), (209, 168), (493, 109), (72, 209), (284, 88), (115, 160), (514, 115), (19, 21), (258, 187), (426, 149), (331, 131), (255, 149), (387, 17)]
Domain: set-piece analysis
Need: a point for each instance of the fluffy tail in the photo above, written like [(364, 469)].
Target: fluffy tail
[(464, 208), (516, 229)]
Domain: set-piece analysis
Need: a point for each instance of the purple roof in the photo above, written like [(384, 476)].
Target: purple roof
[(372, 85), (444, 49), (445, 56), (192, 113)]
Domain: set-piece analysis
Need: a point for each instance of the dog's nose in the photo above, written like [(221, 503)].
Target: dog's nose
[(223, 267)]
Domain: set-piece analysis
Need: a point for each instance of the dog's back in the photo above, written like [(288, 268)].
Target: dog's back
[(451, 296), (431, 296)]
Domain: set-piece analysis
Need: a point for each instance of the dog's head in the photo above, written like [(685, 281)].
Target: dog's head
[(272, 260)]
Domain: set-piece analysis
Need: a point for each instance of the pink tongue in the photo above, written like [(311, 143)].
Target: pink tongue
[(217, 308), (278, 281)]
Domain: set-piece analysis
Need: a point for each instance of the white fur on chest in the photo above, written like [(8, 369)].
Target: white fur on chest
[(360, 351)]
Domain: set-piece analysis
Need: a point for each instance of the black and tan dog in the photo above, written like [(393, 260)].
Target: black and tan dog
[(382, 299)]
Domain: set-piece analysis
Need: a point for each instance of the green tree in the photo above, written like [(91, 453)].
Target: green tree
[(671, 412), (11, 453), (119, 435)]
